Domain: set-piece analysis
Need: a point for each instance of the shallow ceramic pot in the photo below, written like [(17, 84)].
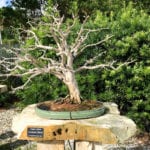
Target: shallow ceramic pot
[(70, 114)]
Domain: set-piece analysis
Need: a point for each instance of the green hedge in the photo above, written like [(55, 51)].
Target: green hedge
[(129, 86)]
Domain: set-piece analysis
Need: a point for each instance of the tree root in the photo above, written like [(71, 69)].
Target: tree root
[(66, 100)]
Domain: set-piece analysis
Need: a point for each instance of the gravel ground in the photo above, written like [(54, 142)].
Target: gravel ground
[(6, 120), (8, 140)]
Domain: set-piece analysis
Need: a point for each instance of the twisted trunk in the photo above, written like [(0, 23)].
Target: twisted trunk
[(72, 85)]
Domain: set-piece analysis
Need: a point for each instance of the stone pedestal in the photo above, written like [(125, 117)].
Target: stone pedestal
[(91, 134)]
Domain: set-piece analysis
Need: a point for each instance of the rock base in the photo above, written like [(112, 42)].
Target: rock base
[(111, 128)]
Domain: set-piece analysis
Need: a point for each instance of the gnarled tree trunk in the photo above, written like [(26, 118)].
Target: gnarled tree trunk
[(72, 85)]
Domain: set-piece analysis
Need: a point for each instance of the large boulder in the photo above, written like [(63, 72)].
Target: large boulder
[(111, 128)]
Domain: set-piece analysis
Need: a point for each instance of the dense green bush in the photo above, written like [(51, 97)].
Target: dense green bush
[(129, 86), (4, 99), (42, 88), (7, 99)]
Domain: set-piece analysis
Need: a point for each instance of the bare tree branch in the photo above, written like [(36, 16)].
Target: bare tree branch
[(110, 65), (25, 84), (91, 45), (107, 65), (91, 60), (35, 59), (78, 46)]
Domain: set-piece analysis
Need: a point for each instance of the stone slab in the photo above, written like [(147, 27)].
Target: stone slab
[(106, 129)]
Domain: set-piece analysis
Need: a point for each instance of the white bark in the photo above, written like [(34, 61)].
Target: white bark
[(72, 85)]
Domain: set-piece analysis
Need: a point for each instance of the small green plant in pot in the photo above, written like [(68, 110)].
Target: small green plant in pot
[(52, 46)]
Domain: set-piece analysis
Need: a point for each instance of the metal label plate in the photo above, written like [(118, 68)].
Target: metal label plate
[(35, 132)]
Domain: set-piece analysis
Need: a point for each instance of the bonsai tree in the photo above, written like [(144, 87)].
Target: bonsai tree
[(47, 50)]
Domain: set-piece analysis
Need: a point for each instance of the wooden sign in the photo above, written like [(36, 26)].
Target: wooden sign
[(69, 131)]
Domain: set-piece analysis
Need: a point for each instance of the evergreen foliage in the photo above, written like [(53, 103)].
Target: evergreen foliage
[(129, 86)]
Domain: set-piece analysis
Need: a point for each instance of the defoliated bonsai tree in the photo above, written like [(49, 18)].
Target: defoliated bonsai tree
[(48, 51)]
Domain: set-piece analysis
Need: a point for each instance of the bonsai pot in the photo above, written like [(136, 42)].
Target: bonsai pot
[(88, 109)]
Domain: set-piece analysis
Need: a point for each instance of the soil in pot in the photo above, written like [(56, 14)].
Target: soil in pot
[(64, 109), (66, 106)]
